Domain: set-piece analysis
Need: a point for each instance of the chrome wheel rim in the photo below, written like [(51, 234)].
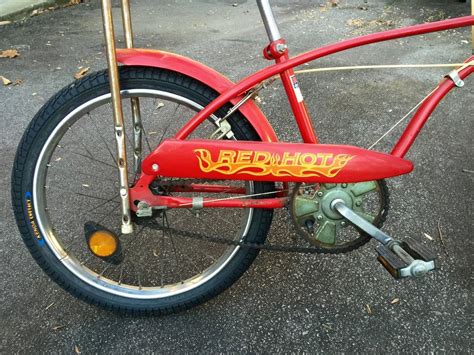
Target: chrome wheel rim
[(77, 267)]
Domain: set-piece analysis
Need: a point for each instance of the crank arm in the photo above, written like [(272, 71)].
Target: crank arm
[(401, 259)]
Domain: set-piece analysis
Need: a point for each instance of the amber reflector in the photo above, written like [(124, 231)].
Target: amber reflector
[(103, 243)]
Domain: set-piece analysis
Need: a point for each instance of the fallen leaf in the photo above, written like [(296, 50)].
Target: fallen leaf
[(334, 3), (2, 23), (5, 81), (368, 309), (49, 306), (9, 53), (395, 300), (160, 105), (81, 73), (58, 327), (427, 236), (18, 82), (77, 349), (356, 22), (85, 185)]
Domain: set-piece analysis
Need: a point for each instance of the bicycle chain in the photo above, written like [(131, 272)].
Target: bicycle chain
[(282, 248), (268, 247)]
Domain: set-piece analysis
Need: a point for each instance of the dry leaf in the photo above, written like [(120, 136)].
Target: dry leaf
[(77, 349), (334, 3), (85, 185), (427, 236), (49, 306), (2, 23), (5, 81), (368, 309), (18, 82), (81, 73), (357, 22), (57, 327), (9, 53), (395, 300)]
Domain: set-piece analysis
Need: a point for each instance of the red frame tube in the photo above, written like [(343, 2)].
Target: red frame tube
[(285, 65), (424, 112), (186, 202), (222, 189)]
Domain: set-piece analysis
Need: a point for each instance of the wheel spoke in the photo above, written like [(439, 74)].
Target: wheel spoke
[(77, 170)]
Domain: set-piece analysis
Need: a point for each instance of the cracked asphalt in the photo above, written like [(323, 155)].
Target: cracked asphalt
[(284, 303)]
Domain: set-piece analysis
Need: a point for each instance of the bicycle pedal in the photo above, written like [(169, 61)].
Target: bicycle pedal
[(406, 259)]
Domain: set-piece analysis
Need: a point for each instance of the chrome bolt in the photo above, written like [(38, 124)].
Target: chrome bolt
[(155, 167), (320, 193), (123, 191), (344, 185), (358, 203), (343, 223), (281, 47), (320, 217)]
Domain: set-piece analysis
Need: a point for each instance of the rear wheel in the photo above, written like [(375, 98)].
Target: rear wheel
[(65, 176)]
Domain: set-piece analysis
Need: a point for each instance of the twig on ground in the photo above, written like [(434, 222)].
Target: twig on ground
[(440, 233)]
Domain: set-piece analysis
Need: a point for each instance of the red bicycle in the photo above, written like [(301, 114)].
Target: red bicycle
[(200, 170)]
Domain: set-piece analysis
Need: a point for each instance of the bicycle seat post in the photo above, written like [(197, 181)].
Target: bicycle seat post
[(269, 20)]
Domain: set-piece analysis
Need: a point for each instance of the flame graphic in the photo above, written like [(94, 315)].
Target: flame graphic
[(329, 167)]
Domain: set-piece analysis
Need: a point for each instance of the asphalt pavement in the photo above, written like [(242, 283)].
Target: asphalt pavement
[(284, 303)]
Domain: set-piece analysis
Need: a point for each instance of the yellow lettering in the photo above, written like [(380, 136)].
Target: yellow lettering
[(226, 156), (244, 157), (261, 157), (308, 159), (289, 159)]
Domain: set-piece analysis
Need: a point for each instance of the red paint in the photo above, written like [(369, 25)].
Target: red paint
[(290, 83), (226, 189), (202, 73), (186, 202), (279, 68), (365, 165), (424, 111)]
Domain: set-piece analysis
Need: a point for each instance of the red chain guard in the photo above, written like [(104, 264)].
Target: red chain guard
[(261, 161)]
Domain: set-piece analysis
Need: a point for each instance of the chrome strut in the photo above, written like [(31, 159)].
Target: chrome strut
[(127, 226)]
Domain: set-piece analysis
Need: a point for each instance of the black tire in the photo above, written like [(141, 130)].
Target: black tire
[(35, 137)]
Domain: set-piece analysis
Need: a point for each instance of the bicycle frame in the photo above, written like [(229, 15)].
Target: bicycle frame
[(367, 169)]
